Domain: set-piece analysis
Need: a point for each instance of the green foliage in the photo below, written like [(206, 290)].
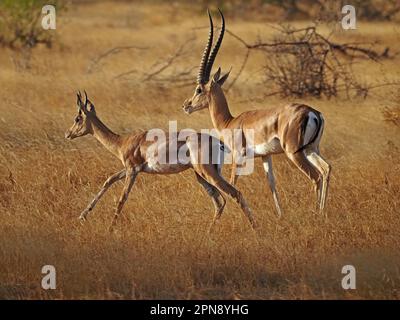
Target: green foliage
[(20, 23)]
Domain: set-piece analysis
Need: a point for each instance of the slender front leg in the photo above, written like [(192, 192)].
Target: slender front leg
[(238, 153), (129, 181), (107, 184), (267, 163), (234, 176)]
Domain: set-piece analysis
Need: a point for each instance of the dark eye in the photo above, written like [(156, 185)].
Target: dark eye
[(198, 90), (77, 119)]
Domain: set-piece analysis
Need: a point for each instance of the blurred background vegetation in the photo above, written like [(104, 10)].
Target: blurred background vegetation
[(20, 23), (377, 10)]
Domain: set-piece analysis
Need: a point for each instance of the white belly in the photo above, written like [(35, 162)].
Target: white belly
[(160, 160), (164, 168), (267, 148)]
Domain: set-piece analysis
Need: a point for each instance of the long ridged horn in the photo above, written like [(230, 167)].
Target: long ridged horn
[(206, 53), (214, 51)]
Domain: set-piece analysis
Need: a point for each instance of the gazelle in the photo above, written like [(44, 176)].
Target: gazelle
[(294, 129), (138, 154)]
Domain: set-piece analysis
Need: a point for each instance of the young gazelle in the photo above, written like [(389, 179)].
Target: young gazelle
[(138, 154), (294, 129)]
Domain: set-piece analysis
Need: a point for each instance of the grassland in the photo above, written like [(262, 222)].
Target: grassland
[(159, 248)]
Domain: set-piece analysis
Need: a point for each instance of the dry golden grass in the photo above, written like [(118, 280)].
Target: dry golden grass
[(158, 249)]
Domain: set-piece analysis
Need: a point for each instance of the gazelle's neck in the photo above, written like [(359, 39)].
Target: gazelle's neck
[(219, 110), (105, 136)]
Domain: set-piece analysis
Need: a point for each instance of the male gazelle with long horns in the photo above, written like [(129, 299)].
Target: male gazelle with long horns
[(140, 154), (294, 129)]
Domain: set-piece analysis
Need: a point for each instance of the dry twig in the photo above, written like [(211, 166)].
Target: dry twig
[(113, 51), (304, 62)]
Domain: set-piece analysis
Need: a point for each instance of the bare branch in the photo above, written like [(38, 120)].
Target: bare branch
[(304, 62), (246, 58), (170, 60), (159, 69), (95, 61)]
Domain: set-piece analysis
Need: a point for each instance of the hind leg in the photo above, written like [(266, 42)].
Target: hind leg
[(324, 169), (302, 162), (215, 195), (210, 174), (267, 163)]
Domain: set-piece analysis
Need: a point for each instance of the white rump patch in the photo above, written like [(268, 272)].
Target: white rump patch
[(311, 127)]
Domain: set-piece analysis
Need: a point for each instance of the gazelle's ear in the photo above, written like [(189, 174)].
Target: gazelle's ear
[(90, 107), (223, 78), (216, 76)]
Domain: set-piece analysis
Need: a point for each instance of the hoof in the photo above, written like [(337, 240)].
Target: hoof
[(82, 218)]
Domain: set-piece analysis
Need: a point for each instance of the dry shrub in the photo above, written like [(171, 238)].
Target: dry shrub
[(301, 70), (305, 63)]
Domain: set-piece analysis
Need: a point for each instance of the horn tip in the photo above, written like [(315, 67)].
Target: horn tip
[(222, 15), (209, 14)]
